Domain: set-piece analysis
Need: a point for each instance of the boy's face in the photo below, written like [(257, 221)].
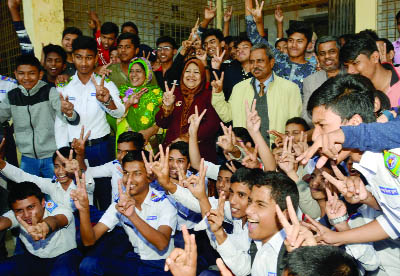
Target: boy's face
[(60, 172), (282, 47), (243, 51), (107, 40), (261, 214), (232, 50), (239, 199), (165, 52), (177, 161), (67, 42), (295, 131), (123, 148), (54, 64), (363, 65), (297, 45), (84, 60), (126, 50), (317, 184), (212, 44), (28, 208), (28, 75), (136, 172), (114, 59), (224, 182), (277, 152)]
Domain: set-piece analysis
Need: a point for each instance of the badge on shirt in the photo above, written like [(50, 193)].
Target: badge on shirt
[(151, 218), (271, 274), (93, 94), (50, 205), (392, 162), (71, 98), (388, 191), (157, 198), (178, 103)]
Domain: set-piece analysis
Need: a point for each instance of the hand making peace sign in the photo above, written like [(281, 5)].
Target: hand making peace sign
[(70, 165), (102, 93), (66, 106), (126, 202), (38, 231), (79, 144), (79, 195), (169, 97)]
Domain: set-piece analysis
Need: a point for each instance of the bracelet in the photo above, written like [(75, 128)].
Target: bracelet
[(339, 219), (107, 103), (50, 229)]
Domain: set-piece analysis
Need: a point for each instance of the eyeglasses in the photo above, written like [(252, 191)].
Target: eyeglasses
[(165, 48)]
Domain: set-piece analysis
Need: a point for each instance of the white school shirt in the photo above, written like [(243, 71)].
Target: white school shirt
[(6, 84), (266, 259), (385, 188), (212, 170), (109, 169), (50, 186), (57, 243), (156, 211), (92, 112)]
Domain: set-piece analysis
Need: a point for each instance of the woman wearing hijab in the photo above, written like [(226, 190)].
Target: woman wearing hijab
[(142, 99), (174, 115)]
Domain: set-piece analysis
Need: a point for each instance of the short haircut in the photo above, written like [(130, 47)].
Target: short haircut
[(357, 46), (22, 191), (134, 155), (182, 147), (368, 33), (298, 121), (51, 48), (264, 47), (209, 32), (325, 39), (280, 40), (322, 260), (167, 39), (228, 39), (224, 167), (72, 30), (64, 152), (85, 42), (384, 99), (300, 27), (130, 24), (135, 137), (113, 48), (243, 38), (134, 39), (248, 176), (389, 45), (244, 135), (28, 60), (109, 28), (281, 187), (347, 95), (398, 16), (347, 37)]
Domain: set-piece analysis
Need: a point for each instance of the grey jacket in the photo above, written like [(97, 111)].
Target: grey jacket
[(33, 113), (310, 84)]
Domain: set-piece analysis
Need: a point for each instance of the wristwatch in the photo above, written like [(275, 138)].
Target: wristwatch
[(339, 219), (107, 103)]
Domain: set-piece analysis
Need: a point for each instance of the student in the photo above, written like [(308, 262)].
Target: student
[(68, 36), (144, 49), (146, 215), (294, 127), (281, 45), (93, 97), (54, 64), (114, 59), (34, 107), (47, 231)]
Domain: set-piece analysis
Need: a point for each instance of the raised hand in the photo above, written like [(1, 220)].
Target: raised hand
[(126, 203), (79, 195), (193, 33), (257, 12), (278, 14), (231, 166), (382, 51), (202, 56), (195, 120), (280, 137), (135, 98), (250, 160), (335, 208), (160, 168), (102, 93), (228, 14), (70, 165), (168, 96), (217, 59), (198, 187), (104, 71), (3, 142), (301, 146), (228, 140), (183, 262), (210, 11), (287, 161), (66, 106), (217, 83), (296, 234), (216, 217), (253, 121), (148, 164), (38, 231), (324, 235), (79, 144)]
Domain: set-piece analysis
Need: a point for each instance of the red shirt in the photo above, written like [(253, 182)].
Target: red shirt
[(104, 55)]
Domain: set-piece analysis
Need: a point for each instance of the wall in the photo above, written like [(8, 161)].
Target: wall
[(366, 11)]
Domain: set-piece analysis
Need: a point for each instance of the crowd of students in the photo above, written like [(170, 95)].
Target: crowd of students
[(221, 156)]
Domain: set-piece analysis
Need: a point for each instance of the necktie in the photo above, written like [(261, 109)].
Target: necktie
[(252, 251), (262, 87)]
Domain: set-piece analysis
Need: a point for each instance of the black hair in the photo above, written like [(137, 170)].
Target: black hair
[(224, 167), (113, 48), (209, 32), (244, 135), (134, 155), (347, 95), (325, 39), (241, 39), (368, 33), (85, 42), (130, 24), (228, 39), (134, 39), (167, 39), (280, 40), (72, 30), (298, 121), (22, 191), (389, 45), (28, 60), (357, 46), (109, 28), (300, 27), (51, 48), (182, 147), (248, 176), (384, 99), (322, 260), (281, 187), (135, 137), (347, 37), (64, 152)]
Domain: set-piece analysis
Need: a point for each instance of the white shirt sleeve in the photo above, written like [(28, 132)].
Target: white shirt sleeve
[(11, 216), (388, 227), (61, 133), (120, 110), (212, 170), (102, 170), (186, 198), (110, 218), (168, 215)]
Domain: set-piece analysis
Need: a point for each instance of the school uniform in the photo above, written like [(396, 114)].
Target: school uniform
[(145, 259), (55, 255)]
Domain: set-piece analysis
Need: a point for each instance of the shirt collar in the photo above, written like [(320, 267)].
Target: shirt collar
[(276, 241), (266, 83)]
